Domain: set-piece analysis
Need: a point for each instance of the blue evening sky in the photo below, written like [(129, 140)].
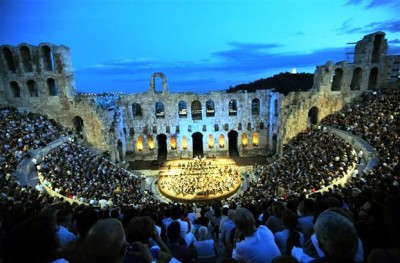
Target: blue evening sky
[(201, 46)]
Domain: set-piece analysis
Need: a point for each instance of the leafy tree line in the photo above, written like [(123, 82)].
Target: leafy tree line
[(282, 83)]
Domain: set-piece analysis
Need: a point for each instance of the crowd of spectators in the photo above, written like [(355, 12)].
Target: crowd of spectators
[(74, 171), (357, 222)]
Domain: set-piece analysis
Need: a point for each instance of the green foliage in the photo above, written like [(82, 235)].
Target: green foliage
[(282, 83)]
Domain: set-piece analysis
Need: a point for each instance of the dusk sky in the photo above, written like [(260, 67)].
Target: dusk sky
[(201, 46)]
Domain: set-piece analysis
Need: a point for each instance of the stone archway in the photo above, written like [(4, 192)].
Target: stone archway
[(312, 117), (164, 81), (79, 126), (162, 147), (197, 139), (120, 151), (233, 143), (275, 143)]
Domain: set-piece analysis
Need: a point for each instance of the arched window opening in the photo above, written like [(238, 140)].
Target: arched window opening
[(376, 52), (233, 143), (221, 141), (8, 56), (210, 108), (356, 79), (276, 108), (197, 140), (79, 126), (32, 88), (136, 110), (262, 125), (160, 112), (26, 59), (47, 56), (337, 80), (255, 107), (275, 143), (184, 143), (151, 142), (232, 108), (196, 110), (139, 144), (173, 142), (182, 109), (52, 86), (15, 90), (210, 141), (255, 139), (244, 139), (313, 117), (373, 79)]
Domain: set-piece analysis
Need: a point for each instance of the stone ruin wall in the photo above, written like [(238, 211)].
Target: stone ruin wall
[(53, 92), (335, 85), (148, 126), (117, 131)]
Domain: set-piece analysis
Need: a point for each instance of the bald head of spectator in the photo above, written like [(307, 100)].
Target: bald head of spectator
[(105, 242)]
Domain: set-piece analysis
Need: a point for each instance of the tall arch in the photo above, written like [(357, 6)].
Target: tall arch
[(337, 80), (313, 116), (245, 140), (197, 139), (139, 144), (32, 88), (8, 56), (356, 79), (26, 59), (150, 142), (373, 79), (221, 141), (152, 81), (376, 51), (79, 126), (255, 107), (210, 141), (173, 143), (52, 87), (196, 110), (182, 109), (275, 143), (210, 108), (136, 110), (160, 111), (233, 143), (232, 108), (15, 90), (47, 57), (254, 139), (162, 147), (120, 151), (276, 107)]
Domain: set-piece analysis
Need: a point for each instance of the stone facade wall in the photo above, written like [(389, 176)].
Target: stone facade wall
[(337, 84), (149, 126), (40, 79)]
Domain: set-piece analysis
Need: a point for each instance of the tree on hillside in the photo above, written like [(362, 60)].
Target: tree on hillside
[(282, 83)]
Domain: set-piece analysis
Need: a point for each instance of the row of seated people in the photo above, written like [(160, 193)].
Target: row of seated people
[(323, 230), (371, 188)]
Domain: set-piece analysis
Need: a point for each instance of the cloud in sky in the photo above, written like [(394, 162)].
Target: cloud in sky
[(388, 26), (371, 3), (239, 60)]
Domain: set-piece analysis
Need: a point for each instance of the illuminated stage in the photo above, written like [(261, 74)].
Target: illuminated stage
[(199, 179)]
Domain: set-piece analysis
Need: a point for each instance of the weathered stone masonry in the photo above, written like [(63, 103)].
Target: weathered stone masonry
[(159, 123)]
